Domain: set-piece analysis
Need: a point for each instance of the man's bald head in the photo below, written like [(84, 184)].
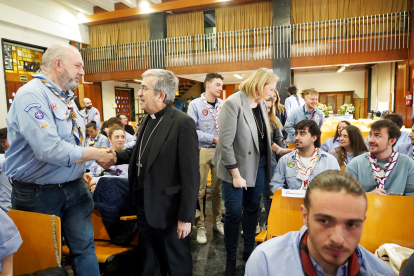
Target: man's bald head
[(87, 102), (57, 51)]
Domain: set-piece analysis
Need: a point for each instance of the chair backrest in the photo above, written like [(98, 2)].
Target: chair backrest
[(99, 230), (326, 135), (37, 251), (387, 219)]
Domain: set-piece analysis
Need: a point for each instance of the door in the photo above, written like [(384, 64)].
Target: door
[(12, 88), (123, 102)]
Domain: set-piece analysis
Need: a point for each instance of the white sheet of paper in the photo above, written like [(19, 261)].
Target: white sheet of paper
[(293, 193)]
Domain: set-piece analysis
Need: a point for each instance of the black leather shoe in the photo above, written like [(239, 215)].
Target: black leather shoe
[(230, 268)]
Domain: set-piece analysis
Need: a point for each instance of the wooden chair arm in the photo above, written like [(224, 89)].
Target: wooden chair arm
[(261, 237), (125, 218)]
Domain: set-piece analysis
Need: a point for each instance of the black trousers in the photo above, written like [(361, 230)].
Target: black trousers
[(163, 252)]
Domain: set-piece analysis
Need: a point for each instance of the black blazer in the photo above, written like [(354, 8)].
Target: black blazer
[(172, 176)]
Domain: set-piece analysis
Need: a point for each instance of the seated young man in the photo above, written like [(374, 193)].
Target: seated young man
[(333, 213), (96, 139), (407, 148), (296, 170), (383, 170), (399, 121)]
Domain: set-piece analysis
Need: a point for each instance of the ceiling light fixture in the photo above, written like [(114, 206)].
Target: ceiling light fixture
[(340, 69), (238, 76), (145, 6)]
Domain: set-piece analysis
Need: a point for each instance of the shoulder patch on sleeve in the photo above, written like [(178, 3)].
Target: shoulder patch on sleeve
[(30, 106)]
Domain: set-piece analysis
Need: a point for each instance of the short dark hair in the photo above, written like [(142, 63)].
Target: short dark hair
[(313, 130), (92, 125), (2, 151), (292, 90), (334, 181), (396, 118), (3, 133), (212, 76), (87, 133), (393, 130), (113, 121), (112, 130), (119, 116)]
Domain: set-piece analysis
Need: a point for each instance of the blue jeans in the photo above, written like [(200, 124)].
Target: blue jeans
[(267, 201), (73, 203), (238, 201)]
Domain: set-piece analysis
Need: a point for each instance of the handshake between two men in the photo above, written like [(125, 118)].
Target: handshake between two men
[(104, 157)]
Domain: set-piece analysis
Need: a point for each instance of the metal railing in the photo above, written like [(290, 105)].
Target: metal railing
[(343, 36)]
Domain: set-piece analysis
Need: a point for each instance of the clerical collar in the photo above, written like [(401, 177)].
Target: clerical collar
[(159, 113)]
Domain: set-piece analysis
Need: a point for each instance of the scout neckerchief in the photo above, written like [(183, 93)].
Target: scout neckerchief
[(313, 113), (95, 140), (306, 172), (309, 270), (379, 171), (77, 130), (217, 112)]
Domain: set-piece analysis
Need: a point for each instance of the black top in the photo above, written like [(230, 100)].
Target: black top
[(130, 130), (145, 151), (282, 118), (212, 104), (261, 129)]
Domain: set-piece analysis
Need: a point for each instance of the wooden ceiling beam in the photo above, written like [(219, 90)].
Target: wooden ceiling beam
[(178, 5)]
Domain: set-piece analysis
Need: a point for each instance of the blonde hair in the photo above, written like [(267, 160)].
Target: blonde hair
[(273, 121), (253, 86), (310, 91), (280, 108)]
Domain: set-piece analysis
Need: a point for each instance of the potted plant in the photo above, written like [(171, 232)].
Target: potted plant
[(347, 109), (325, 109)]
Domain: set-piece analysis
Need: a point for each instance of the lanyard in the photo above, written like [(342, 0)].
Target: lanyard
[(313, 113), (211, 112), (306, 172), (379, 172)]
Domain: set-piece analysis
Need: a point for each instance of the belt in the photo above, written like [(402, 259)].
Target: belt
[(24, 185), (208, 147)]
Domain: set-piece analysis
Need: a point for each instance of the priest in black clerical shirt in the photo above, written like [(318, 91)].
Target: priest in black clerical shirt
[(164, 177)]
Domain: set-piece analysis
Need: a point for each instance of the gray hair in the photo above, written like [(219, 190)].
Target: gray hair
[(53, 52), (165, 81)]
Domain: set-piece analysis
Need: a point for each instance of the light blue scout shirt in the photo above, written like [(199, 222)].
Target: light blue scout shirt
[(10, 239), (405, 148), (101, 142), (285, 177), (5, 189), (400, 180), (403, 139), (281, 256), (92, 115), (205, 123), (96, 170), (330, 144), (291, 103), (42, 146), (298, 115), (349, 156)]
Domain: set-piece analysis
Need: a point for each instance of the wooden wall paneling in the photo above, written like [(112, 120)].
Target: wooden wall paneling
[(12, 87), (402, 83), (365, 114)]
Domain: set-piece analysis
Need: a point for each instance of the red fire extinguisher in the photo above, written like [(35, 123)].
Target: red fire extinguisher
[(408, 99)]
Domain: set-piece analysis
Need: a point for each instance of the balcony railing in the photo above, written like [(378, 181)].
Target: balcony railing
[(352, 35)]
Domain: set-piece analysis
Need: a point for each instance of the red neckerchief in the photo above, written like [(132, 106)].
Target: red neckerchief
[(353, 265)]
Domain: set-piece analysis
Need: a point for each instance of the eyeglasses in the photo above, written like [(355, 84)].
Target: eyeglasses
[(145, 89)]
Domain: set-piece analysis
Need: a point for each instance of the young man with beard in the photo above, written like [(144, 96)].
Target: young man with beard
[(91, 113), (205, 111), (383, 170), (46, 157), (307, 111), (297, 169), (333, 214)]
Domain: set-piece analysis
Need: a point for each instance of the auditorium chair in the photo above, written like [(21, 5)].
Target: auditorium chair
[(104, 248), (387, 220), (37, 251)]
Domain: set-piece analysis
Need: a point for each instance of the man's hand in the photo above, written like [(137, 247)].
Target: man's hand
[(215, 140), (183, 229), (87, 177), (378, 192), (106, 158), (92, 184), (239, 182)]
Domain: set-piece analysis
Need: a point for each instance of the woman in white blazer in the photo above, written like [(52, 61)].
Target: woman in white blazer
[(243, 159)]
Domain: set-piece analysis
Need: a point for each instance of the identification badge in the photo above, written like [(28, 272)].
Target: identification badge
[(291, 164), (207, 125), (301, 176)]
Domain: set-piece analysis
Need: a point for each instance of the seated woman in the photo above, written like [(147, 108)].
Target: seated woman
[(351, 145), (116, 137), (333, 142)]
